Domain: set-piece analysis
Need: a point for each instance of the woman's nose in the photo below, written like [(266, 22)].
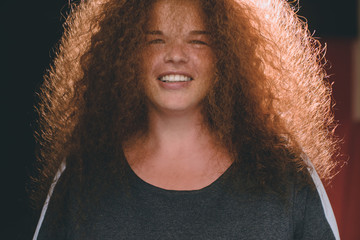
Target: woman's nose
[(176, 52)]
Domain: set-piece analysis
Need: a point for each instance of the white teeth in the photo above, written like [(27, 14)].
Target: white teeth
[(175, 78)]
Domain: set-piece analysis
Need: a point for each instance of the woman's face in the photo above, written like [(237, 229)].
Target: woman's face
[(178, 61)]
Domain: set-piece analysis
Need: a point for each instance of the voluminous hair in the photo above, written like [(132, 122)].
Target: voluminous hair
[(269, 106)]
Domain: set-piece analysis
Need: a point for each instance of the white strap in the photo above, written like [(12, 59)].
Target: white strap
[(329, 214), (44, 209)]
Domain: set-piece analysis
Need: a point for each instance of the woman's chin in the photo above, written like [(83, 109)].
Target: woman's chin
[(176, 107)]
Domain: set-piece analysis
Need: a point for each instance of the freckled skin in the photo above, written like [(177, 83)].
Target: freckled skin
[(177, 43)]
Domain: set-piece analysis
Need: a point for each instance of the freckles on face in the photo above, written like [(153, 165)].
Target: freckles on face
[(177, 61)]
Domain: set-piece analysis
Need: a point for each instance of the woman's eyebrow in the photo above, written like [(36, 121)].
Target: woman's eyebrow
[(156, 32)]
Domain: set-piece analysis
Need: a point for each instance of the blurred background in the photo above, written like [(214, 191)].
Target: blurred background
[(29, 31)]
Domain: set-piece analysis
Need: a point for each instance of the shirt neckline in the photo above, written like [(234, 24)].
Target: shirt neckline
[(139, 183)]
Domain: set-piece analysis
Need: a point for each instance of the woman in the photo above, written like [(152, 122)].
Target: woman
[(185, 119)]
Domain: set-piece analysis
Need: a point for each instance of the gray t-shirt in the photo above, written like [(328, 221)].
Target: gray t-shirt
[(138, 210)]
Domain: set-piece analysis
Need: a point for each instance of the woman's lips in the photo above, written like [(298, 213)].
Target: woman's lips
[(174, 80), (174, 85)]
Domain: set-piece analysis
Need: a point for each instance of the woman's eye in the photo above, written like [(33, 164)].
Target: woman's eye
[(198, 42), (156, 41)]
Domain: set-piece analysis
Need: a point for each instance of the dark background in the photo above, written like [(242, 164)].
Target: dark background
[(30, 29)]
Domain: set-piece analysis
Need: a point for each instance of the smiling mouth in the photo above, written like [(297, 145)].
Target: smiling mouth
[(172, 78)]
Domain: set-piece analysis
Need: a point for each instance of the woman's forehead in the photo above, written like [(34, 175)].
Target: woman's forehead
[(175, 14)]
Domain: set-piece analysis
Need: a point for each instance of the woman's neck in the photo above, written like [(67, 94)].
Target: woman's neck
[(177, 152)]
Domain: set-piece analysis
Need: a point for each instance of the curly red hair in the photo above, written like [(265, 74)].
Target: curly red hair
[(269, 106)]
